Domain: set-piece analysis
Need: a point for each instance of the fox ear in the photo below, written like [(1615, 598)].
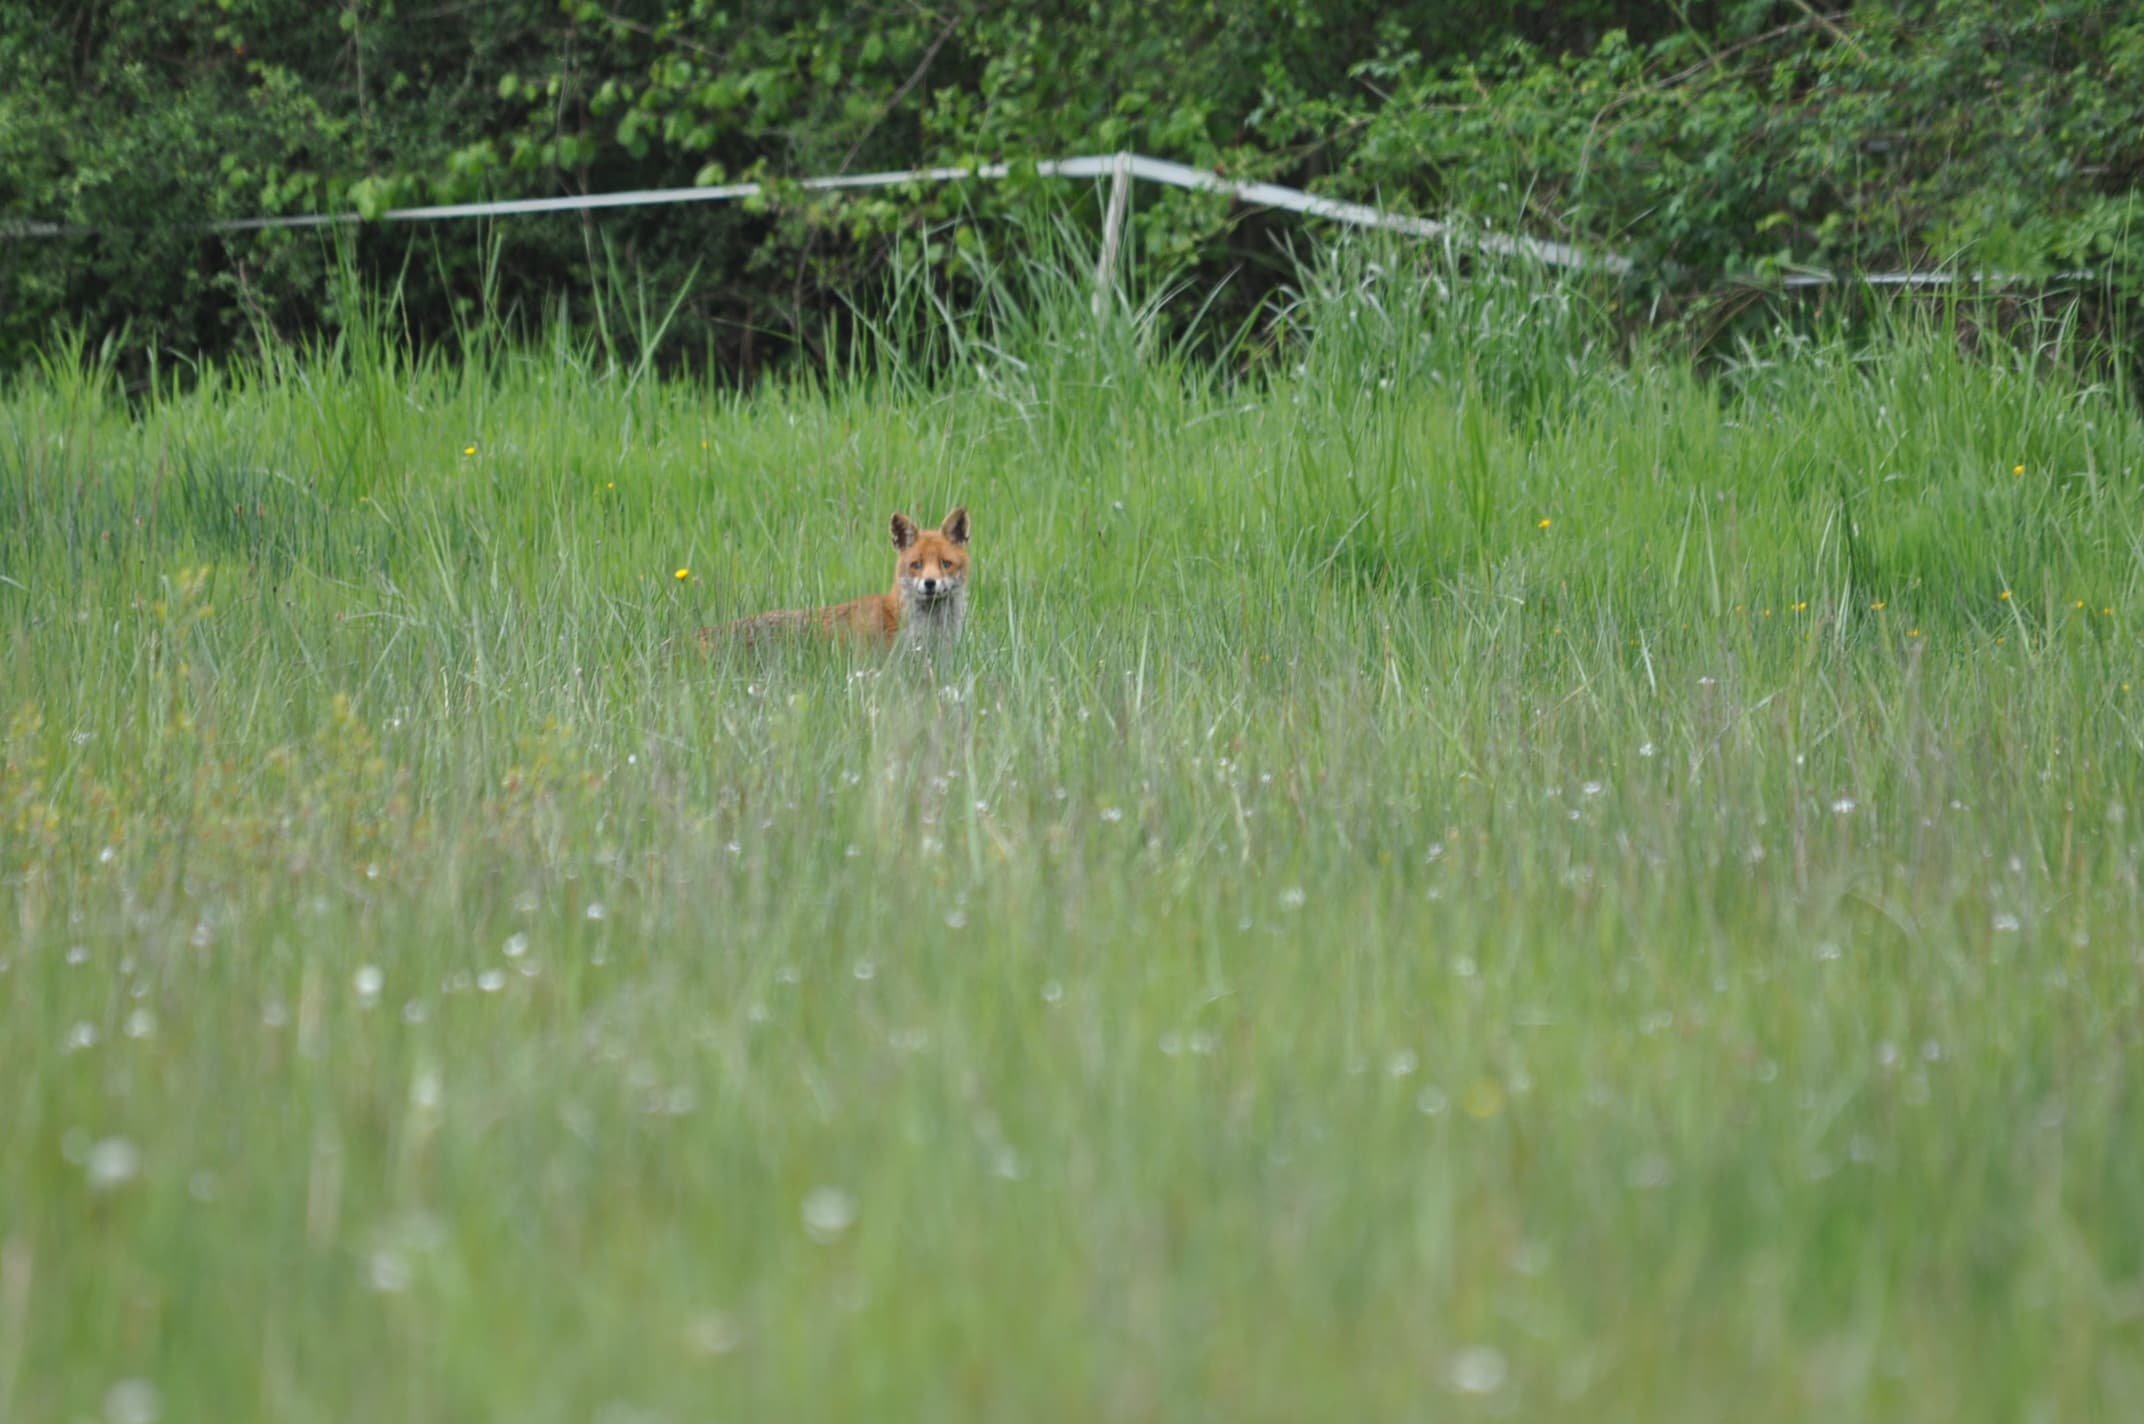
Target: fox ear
[(956, 525), (904, 531)]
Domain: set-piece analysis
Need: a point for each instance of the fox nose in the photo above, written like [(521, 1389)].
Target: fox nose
[(930, 585)]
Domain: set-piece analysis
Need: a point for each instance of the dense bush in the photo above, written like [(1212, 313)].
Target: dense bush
[(1709, 141)]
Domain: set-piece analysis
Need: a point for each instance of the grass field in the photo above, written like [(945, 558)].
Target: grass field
[(1460, 874)]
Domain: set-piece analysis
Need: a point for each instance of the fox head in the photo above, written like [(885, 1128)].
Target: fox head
[(931, 566)]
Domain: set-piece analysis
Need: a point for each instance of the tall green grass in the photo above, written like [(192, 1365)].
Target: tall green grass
[(1460, 870)]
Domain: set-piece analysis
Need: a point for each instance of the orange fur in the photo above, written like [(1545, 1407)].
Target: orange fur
[(928, 600)]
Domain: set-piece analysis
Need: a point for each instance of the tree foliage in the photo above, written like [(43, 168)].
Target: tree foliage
[(1740, 139)]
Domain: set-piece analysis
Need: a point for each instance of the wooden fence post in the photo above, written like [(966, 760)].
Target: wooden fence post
[(1120, 193)]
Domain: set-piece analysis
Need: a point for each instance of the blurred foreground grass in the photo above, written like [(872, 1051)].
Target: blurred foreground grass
[(1461, 876)]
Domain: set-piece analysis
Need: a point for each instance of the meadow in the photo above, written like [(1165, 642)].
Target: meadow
[(1464, 868)]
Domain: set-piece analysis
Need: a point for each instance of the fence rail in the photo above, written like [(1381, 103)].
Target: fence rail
[(1120, 168)]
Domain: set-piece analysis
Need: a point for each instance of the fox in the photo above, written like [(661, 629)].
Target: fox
[(926, 606)]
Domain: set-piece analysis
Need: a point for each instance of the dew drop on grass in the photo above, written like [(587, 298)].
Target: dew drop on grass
[(78, 954), (1052, 991), (111, 1163), (1843, 806), (1646, 749), (713, 1332), (2006, 923), (1431, 1102), (1293, 898), (81, 1036), (1531, 1258), (367, 982), (1650, 1172), (491, 981), (596, 910), (517, 944), (1478, 1369), (1400, 1064), (132, 1401), (388, 1272), (828, 1212), (141, 1024), (865, 971)]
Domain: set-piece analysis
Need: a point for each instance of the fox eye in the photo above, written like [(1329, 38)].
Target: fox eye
[(916, 566)]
